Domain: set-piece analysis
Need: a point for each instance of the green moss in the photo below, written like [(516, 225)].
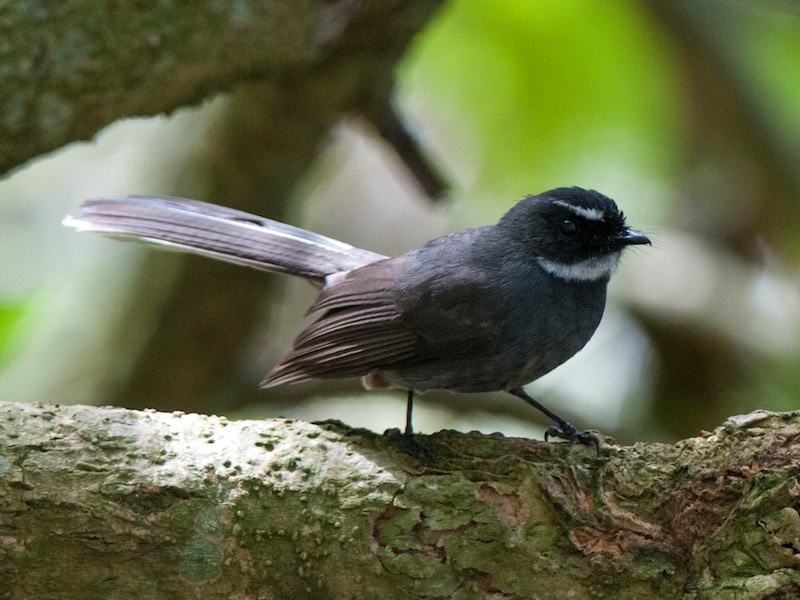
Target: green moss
[(201, 560)]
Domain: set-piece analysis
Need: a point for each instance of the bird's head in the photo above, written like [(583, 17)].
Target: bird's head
[(573, 233)]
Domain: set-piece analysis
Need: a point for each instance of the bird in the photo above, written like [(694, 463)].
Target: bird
[(490, 308)]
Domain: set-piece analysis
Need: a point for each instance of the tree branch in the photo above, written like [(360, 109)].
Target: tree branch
[(72, 67), (106, 502)]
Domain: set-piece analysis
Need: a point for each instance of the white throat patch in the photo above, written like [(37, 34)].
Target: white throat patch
[(590, 269), (591, 214)]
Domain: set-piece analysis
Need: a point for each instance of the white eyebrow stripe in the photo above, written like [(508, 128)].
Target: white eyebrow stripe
[(592, 214)]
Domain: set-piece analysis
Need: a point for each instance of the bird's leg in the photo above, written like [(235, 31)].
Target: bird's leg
[(415, 446), (562, 429), (409, 409)]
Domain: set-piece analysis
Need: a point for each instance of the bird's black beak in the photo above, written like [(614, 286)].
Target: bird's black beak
[(631, 237)]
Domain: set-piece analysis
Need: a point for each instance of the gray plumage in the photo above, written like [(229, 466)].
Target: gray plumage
[(484, 309)]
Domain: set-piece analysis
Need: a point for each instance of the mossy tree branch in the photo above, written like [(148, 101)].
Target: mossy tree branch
[(105, 502)]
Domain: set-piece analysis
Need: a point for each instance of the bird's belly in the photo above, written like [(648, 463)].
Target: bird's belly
[(487, 372), (524, 349)]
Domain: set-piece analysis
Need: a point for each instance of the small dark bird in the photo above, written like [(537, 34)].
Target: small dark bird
[(484, 309)]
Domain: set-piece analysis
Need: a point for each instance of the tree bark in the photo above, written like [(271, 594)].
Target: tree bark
[(114, 503), (70, 68)]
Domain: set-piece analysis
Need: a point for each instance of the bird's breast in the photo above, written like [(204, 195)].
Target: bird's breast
[(557, 321)]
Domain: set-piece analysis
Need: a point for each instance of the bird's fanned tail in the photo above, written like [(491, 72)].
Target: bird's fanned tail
[(223, 233)]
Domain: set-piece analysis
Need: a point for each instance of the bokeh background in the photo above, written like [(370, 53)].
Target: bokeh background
[(687, 113)]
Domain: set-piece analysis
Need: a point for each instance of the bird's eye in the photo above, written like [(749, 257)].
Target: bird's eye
[(568, 227)]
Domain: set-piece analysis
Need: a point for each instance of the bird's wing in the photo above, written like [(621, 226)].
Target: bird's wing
[(370, 324), (359, 331), (453, 315)]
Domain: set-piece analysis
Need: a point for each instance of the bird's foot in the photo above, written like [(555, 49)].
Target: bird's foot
[(567, 431), (416, 447)]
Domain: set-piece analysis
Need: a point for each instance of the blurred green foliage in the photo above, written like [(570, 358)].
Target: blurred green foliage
[(543, 94), (764, 44), (12, 314)]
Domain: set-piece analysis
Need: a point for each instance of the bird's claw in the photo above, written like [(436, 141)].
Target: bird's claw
[(567, 431)]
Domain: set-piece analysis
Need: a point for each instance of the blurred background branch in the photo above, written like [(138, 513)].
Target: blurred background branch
[(685, 112), (72, 68)]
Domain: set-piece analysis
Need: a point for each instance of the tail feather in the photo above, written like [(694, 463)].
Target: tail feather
[(222, 233)]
